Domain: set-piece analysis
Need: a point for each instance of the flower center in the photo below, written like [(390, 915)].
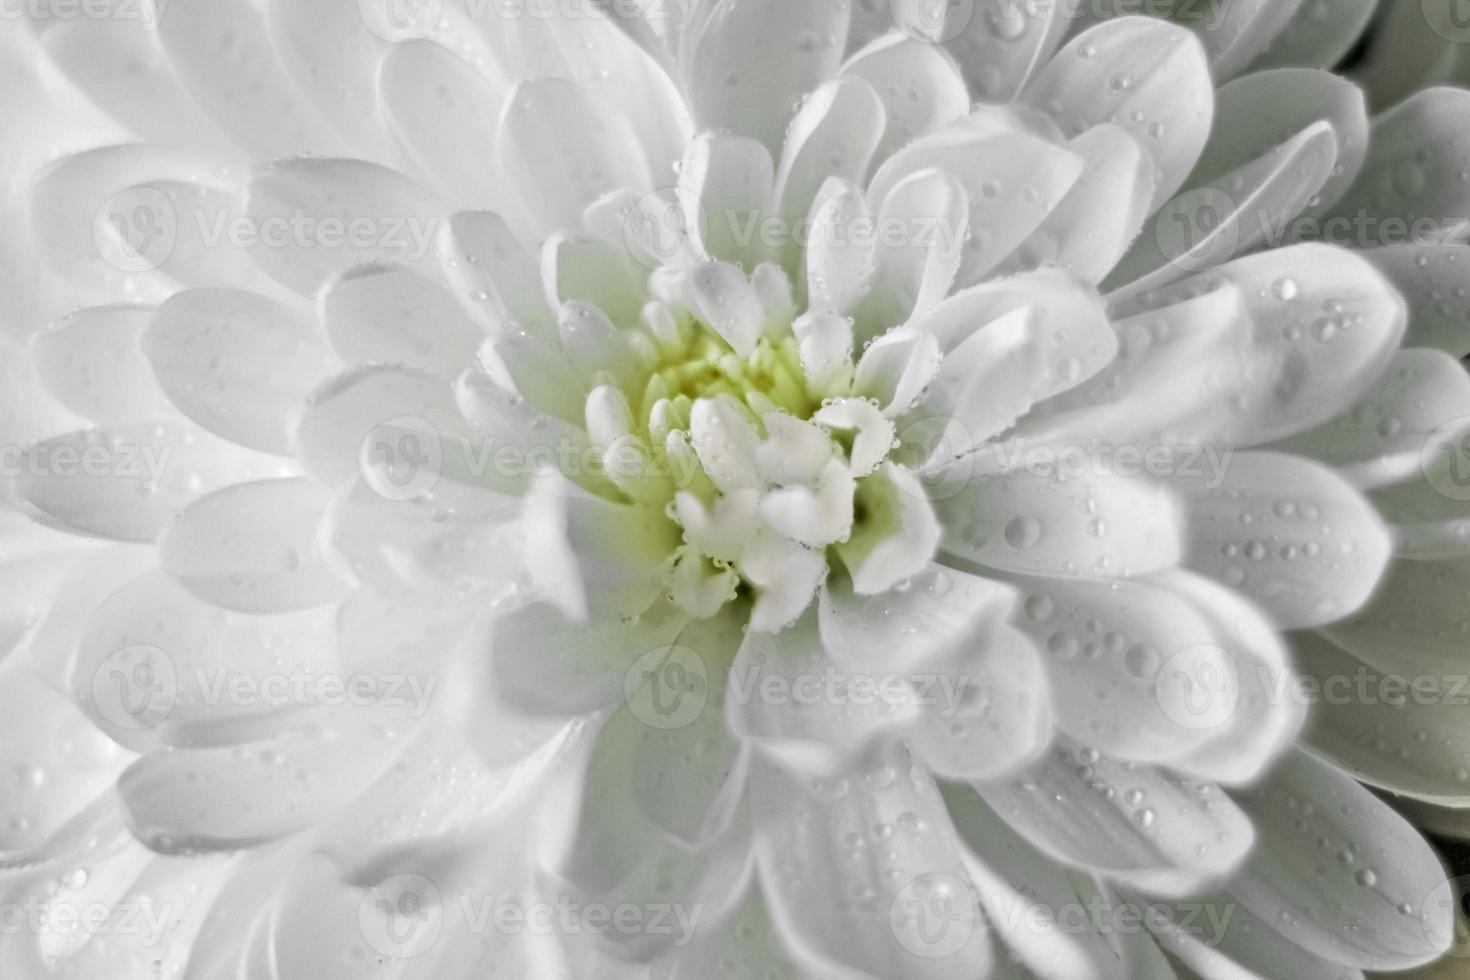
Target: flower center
[(741, 423)]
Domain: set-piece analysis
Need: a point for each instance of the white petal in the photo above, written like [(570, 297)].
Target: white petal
[(794, 451), (726, 442), (1382, 438), (1252, 721), (1028, 896), (1123, 658), (237, 363), (987, 710), (544, 663), (730, 178), (895, 368), (998, 44), (594, 271), (1149, 77), (987, 382), (227, 61), (791, 701), (361, 414), (93, 363), (1141, 826), (825, 348), (1318, 36), (1412, 624), (688, 771), (1412, 173), (834, 135), (563, 147), (725, 299), (1013, 181), (491, 274), (872, 433), (314, 218), (598, 348), (126, 482), (815, 516), (539, 372), (882, 833), (1321, 327), (933, 210), (1260, 109), (942, 612), (1068, 318), (221, 799), (1350, 911), (1042, 522), (839, 255), (333, 56), (786, 576), (756, 58), (1308, 554), (1427, 276), (921, 88), (442, 113), (1232, 214), (593, 556), (1370, 723), (1102, 214), (897, 534), (250, 547), (394, 315)]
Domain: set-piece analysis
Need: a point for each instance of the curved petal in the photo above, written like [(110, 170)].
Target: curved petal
[(93, 363), (1308, 556), (1414, 623), (394, 315), (921, 88), (1383, 438), (1051, 522), (250, 547), (237, 363), (1411, 177), (313, 218), (1151, 78), (1141, 826), (1398, 730), (1430, 278), (755, 59), (1321, 326), (1374, 908), (564, 146), (442, 113), (786, 698), (1142, 670), (880, 834), (545, 663), (986, 710), (942, 611)]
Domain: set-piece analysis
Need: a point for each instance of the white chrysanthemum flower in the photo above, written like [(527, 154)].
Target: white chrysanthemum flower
[(766, 488)]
